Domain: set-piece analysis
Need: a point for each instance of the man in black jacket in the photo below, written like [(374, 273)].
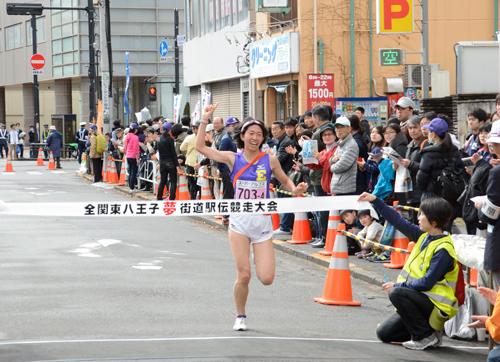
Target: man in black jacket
[(169, 166), (362, 142), (286, 162)]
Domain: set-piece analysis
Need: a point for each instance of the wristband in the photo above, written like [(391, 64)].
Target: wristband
[(203, 121)]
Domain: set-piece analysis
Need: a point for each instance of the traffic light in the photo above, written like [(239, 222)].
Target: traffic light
[(152, 94)]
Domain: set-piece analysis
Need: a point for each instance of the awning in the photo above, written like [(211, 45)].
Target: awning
[(279, 87)]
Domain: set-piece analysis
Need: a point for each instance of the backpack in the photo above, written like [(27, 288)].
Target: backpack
[(451, 182), (101, 144)]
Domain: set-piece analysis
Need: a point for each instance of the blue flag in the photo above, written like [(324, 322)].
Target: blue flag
[(125, 100)]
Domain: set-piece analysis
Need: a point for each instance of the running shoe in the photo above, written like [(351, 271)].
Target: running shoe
[(439, 335), (430, 341), (240, 324), (282, 232), (369, 255), (381, 259)]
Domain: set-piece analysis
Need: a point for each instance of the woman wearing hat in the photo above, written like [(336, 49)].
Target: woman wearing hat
[(436, 157), (251, 174)]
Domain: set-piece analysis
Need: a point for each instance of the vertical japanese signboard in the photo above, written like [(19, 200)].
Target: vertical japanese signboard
[(394, 16), (320, 90)]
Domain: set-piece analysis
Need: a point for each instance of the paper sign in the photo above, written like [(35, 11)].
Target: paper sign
[(308, 152)]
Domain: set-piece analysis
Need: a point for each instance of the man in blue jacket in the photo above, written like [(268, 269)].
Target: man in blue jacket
[(55, 143), (227, 144)]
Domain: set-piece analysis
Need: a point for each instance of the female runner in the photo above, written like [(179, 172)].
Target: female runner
[(253, 183)]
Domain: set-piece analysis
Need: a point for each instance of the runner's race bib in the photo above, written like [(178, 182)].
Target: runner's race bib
[(250, 190)]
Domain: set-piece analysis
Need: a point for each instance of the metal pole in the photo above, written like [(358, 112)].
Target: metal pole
[(371, 49), (495, 17), (92, 81), (176, 27), (315, 37), (36, 102), (425, 49), (353, 71)]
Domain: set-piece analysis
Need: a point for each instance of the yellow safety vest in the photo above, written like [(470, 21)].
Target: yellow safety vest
[(442, 294)]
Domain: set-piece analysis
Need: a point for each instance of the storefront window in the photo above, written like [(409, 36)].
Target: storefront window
[(13, 37)]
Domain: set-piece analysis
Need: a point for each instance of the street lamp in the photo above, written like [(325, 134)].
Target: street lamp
[(36, 10)]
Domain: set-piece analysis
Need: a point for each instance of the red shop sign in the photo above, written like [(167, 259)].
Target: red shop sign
[(320, 90)]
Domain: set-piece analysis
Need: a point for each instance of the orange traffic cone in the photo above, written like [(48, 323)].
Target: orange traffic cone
[(39, 160), (400, 241), (337, 289), (107, 172), (183, 187), (473, 277), (52, 164), (411, 245), (301, 229), (158, 181), (473, 272), (205, 189), (331, 232), (122, 173), (275, 217), (113, 176), (221, 196), (397, 259), (8, 167)]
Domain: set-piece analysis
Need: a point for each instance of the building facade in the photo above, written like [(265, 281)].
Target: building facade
[(351, 53), (62, 38), (216, 53)]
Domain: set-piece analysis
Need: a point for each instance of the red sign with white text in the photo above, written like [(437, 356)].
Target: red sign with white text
[(37, 61), (320, 90)]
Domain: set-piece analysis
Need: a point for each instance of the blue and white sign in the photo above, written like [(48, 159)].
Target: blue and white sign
[(274, 56), (181, 39), (163, 50)]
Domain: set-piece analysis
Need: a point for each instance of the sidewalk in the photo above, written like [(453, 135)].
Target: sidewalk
[(372, 273)]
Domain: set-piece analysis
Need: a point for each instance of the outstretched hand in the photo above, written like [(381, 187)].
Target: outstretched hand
[(489, 294), (366, 196), (480, 321), (209, 111)]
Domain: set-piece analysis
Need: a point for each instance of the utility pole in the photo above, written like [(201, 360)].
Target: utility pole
[(425, 49), (36, 87), (176, 33), (92, 73)]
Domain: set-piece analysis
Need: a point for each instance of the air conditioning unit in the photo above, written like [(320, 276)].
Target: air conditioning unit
[(413, 74)]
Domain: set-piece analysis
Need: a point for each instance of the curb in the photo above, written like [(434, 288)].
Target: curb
[(323, 261)]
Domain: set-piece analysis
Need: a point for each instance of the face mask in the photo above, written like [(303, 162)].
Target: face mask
[(431, 140), (301, 142)]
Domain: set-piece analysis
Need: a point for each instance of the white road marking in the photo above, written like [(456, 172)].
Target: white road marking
[(31, 188), (33, 173), (40, 193), (167, 339), (90, 255), (107, 242), (59, 172), (8, 173), (147, 267)]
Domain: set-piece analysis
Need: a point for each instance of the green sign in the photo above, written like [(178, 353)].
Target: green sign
[(391, 57), (273, 6)]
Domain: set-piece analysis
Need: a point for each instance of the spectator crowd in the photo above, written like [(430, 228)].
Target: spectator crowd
[(411, 159)]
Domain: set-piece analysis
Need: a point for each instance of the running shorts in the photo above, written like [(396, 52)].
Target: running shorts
[(258, 228)]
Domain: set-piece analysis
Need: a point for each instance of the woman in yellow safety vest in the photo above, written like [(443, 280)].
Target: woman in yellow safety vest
[(424, 294)]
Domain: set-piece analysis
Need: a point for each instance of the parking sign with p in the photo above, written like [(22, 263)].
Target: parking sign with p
[(394, 16)]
